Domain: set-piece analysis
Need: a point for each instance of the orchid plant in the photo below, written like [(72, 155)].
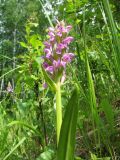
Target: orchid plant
[(55, 60)]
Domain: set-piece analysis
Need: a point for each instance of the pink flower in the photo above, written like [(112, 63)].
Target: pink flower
[(63, 63), (71, 55), (45, 65), (47, 44), (59, 34), (67, 40), (61, 28), (45, 85), (67, 57), (60, 46), (9, 88), (52, 39), (46, 50), (56, 64), (48, 55), (68, 28), (51, 29), (50, 69), (52, 36)]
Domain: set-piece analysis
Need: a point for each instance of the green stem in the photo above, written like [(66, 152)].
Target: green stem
[(58, 110)]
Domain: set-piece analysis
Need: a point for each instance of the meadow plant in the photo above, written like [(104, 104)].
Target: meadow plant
[(56, 58), (9, 88), (56, 50)]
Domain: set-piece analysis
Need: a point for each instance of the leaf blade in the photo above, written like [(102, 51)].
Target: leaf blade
[(67, 136)]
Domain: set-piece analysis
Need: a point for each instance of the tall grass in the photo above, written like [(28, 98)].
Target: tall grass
[(91, 90), (114, 37)]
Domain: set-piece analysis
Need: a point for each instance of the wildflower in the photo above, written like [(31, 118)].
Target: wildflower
[(9, 88), (44, 85), (47, 45), (67, 57), (45, 65), (50, 69), (56, 51), (67, 41)]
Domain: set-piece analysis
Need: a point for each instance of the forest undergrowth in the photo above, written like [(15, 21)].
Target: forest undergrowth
[(60, 80)]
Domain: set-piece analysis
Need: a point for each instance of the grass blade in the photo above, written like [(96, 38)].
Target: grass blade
[(45, 12), (113, 33), (109, 114), (20, 142), (23, 124)]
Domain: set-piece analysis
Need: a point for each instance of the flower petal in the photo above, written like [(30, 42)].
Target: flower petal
[(67, 57), (68, 40), (45, 65), (50, 69)]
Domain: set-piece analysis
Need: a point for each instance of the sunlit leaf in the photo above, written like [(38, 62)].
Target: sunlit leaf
[(67, 135)]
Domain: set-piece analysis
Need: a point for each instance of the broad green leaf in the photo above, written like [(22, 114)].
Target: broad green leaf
[(34, 40), (67, 135), (47, 155)]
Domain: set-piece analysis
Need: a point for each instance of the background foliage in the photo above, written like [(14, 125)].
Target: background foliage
[(27, 115)]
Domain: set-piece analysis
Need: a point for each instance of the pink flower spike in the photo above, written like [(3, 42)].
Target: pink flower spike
[(56, 51)]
